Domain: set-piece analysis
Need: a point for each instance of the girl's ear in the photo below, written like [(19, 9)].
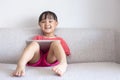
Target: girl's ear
[(39, 25), (56, 24)]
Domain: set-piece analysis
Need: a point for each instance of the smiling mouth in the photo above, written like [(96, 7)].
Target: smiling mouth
[(47, 27)]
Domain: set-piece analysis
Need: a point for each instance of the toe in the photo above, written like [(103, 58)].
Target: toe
[(59, 73), (18, 74), (22, 73), (54, 69)]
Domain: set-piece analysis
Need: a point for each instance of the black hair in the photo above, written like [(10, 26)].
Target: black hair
[(47, 14)]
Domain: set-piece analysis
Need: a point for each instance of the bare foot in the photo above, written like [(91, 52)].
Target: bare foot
[(20, 71), (60, 69)]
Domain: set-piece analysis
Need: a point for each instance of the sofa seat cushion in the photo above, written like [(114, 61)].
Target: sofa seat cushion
[(76, 71)]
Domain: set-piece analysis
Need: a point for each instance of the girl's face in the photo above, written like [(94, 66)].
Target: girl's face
[(48, 25)]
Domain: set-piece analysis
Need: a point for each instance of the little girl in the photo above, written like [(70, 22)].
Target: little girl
[(56, 54)]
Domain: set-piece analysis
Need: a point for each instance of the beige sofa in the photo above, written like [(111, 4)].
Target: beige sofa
[(94, 54)]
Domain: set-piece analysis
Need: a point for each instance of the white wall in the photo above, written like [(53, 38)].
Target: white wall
[(71, 13)]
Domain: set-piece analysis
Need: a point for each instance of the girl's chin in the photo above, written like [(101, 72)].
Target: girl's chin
[(47, 32)]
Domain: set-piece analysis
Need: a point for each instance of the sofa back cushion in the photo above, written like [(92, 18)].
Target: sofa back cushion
[(86, 45)]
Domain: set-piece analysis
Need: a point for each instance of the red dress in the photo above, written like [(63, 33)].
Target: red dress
[(63, 43), (43, 56)]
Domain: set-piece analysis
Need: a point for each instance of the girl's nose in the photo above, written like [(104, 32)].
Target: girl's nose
[(47, 22)]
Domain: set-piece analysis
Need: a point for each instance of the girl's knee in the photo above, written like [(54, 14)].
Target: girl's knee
[(34, 44), (55, 43)]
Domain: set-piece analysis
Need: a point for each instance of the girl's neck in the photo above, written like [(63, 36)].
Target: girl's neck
[(49, 35)]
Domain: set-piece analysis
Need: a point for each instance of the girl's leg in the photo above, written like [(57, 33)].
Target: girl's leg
[(56, 52), (30, 54)]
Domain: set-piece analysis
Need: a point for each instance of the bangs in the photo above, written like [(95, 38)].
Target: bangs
[(48, 15)]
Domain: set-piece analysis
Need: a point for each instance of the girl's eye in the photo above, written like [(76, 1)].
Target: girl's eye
[(42, 21), (50, 21)]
